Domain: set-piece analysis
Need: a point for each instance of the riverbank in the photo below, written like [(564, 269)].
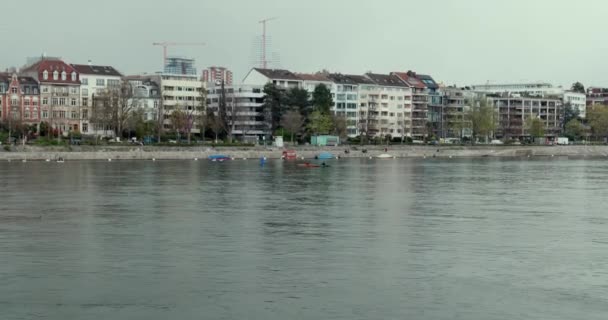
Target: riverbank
[(398, 151)]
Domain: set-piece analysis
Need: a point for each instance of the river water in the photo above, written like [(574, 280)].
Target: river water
[(362, 239)]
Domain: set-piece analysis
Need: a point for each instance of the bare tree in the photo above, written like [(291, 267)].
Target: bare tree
[(117, 105), (215, 123), (340, 126), (292, 121)]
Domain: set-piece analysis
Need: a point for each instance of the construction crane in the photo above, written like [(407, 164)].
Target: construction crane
[(263, 22), (167, 44)]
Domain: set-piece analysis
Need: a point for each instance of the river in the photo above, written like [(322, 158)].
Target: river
[(362, 239)]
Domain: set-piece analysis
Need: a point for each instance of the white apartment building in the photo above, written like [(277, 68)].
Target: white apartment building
[(146, 95), (94, 80), (284, 79), (539, 89), (577, 101), (247, 105), (183, 92), (387, 106)]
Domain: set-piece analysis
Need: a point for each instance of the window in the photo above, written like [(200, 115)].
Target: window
[(85, 91), (101, 82), (45, 114), (74, 90), (61, 114), (45, 89), (55, 101), (62, 101), (85, 127), (14, 102), (85, 113), (55, 75), (45, 75), (351, 97), (84, 81), (74, 115), (340, 96), (34, 102), (73, 102), (113, 83), (85, 102), (351, 106), (26, 102), (341, 105), (26, 114), (14, 90), (35, 90), (64, 76), (73, 76), (65, 90), (45, 101)]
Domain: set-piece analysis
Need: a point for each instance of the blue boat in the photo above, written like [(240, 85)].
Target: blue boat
[(325, 156), (219, 157)]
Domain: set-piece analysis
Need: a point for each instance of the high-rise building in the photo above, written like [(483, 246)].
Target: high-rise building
[(180, 66), (215, 75)]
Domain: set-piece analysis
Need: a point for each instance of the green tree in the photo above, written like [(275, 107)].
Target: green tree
[(298, 98), (340, 126), (570, 113), (597, 118), (292, 121), (321, 99), (482, 117), (535, 127), (574, 129), (578, 87), (274, 104), (320, 123)]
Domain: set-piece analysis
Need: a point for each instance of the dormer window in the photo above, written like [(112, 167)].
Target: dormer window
[(45, 75), (73, 76), (64, 76), (55, 75)]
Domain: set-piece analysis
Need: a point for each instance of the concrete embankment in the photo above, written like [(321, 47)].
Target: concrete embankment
[(185, 153)]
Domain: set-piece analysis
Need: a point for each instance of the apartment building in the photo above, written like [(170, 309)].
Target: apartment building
[(346, 93), (419, 103), (182, 92), (513, 111), (146, 95), (94, 81), (283, 79), (19, 99), (217, 75), (59, 93), (577, 101), (388, 107), (245, 110)]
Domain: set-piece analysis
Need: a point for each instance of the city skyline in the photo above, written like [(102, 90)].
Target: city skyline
[(460, 42)]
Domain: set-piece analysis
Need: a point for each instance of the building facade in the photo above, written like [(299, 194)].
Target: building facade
[(281, 78), (181, 92), (216, 75), (59, 93), (387, 107), (419, 104), (95, 80), (19, 100), (245, 110), (513, 113), (577, 101), (180, 66), (145, 96)]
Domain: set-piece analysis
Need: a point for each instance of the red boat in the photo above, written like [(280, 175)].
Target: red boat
[(289, 155), (308, 165)]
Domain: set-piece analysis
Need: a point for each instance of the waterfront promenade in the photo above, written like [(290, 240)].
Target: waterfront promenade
[(34, 153)]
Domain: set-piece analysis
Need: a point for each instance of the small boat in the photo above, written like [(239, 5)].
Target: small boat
[(308, 165), (219, 158), (385, 156), (325, 156)]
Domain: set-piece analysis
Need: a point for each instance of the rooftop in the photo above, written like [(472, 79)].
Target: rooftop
[(96, 70), (278, 74), (387, 80)]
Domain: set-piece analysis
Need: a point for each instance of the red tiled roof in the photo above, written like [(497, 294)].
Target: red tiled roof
[(411, 80), (52, 65)]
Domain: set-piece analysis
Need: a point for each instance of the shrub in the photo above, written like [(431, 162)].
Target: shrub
[(7, 147)]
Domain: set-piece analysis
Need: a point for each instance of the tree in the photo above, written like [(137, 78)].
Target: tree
[(292, 121), (535, 127), (201, 116), (321, 99), (116, 105), (570, 113), (598, 120), (574, 129), (578, 87), (340, 126), (274, 103), (482, 117), (457, 122), (298, 98), (320, 123), (178, 121), (215, 124)]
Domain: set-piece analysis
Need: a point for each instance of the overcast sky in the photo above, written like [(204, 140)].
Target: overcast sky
[(456, 41)]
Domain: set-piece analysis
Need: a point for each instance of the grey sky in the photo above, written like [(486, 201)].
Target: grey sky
[(456, 41)]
